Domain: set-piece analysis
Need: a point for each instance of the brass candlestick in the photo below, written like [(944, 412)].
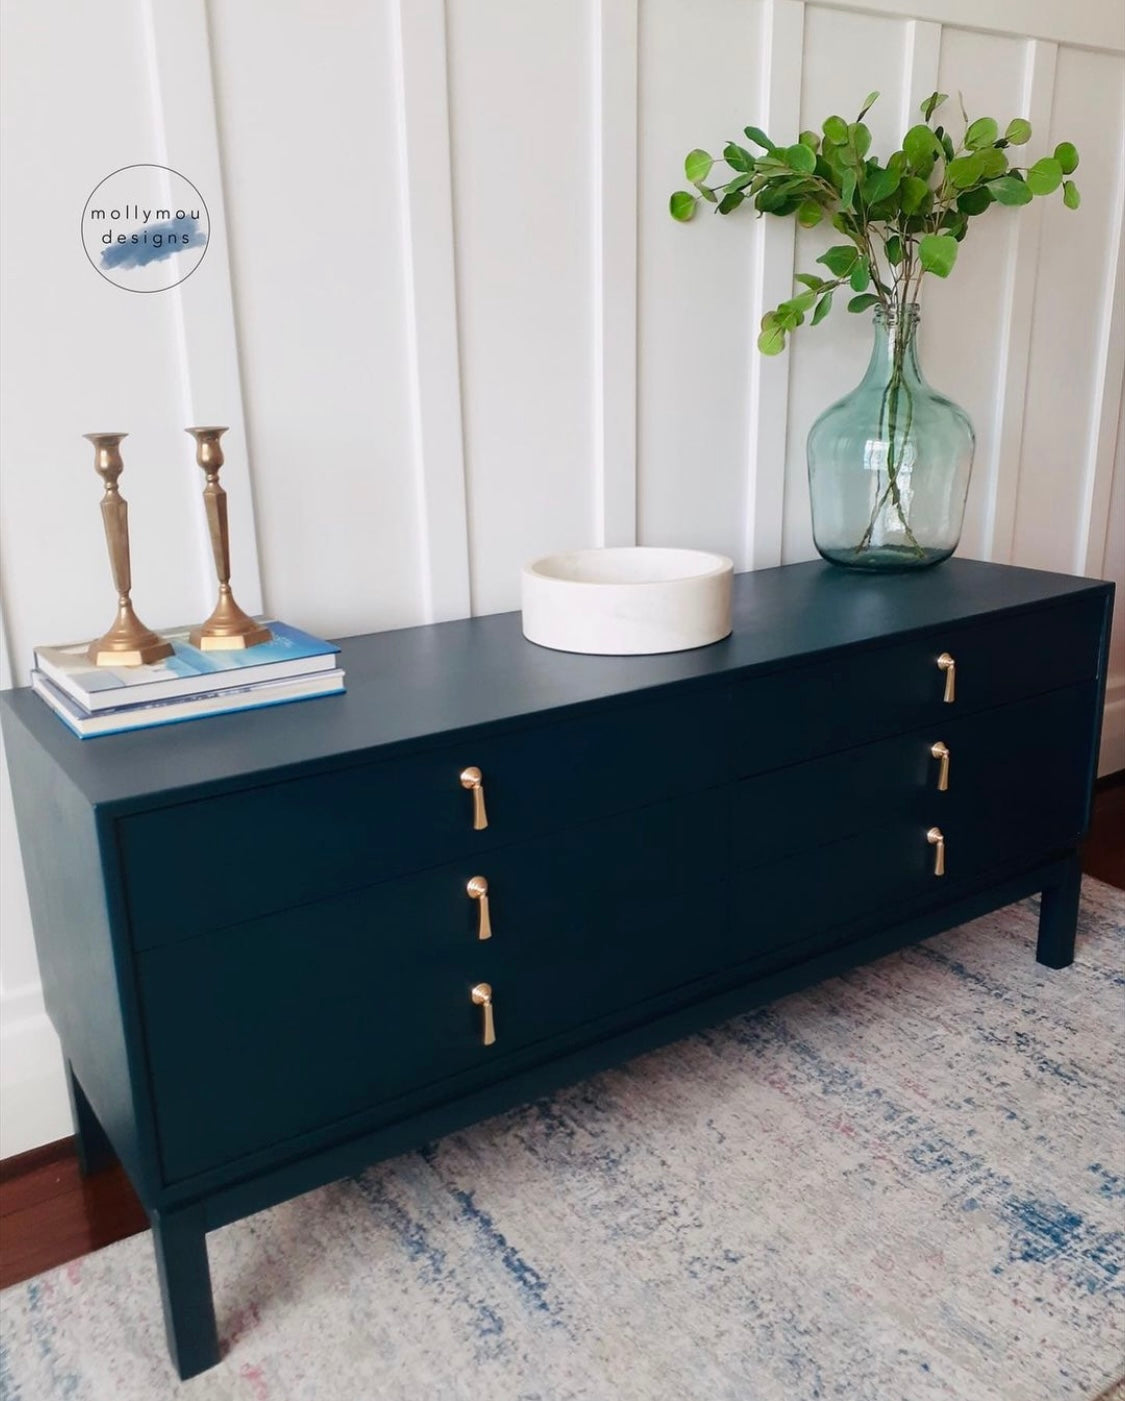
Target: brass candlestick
[(128, 642), (228, 627)]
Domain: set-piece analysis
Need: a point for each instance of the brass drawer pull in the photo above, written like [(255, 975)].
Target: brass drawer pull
[(478, 891), (949, 666), (936, 839), (482, 997), (941, 751), (472, 779)]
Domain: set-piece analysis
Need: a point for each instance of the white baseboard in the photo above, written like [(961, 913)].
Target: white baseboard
[(1112, 756), (33, 1102)]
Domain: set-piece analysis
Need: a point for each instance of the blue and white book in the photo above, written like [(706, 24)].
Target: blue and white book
[(188, 672), (117, 719)]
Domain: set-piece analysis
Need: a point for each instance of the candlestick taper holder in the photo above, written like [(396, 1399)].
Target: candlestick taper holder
[(128, 642), (228, 627)]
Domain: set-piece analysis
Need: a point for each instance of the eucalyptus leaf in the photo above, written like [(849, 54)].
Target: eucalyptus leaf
[(868, 102), (896, 215), (965, 171), (771, 341), (913, 194), (932, 103), (775, 197), (974, 201), (859, 137), (1066, 153), (993, 163), (800, 158), (983, 132), (1045, 176), (1010, 189), (921, 147), (880, 185), (937, 253), (955, 223), (803, 301), (840, 258), (697, 166), (836, 130), (823, 307)]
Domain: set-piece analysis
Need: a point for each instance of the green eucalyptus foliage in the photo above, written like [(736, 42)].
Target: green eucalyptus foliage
[(901, 218)]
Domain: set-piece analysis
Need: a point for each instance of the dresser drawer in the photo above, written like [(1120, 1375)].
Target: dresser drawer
[(1018, 794), (866, 694), (286, 1024), (204, 865), (1001, 764)]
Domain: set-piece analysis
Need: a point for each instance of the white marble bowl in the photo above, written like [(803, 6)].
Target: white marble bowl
[(627, 601)]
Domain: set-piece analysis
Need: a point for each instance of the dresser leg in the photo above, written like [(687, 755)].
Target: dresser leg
[(94, 1149), (185, 1289), (1058, 918)]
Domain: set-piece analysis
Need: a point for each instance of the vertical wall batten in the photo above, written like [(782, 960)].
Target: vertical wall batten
[(1021, 277), (182, 87), (614, 202), (431, 329), (1105, 410), (782, 52), (921, 57)]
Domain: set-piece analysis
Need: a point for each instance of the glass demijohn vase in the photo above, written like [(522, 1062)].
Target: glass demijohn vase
[(889, 463)]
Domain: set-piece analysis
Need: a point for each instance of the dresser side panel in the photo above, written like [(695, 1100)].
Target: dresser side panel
[(1099, 703), (86, 973)]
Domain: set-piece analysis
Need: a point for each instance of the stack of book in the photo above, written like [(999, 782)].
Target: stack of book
[(99, 700)]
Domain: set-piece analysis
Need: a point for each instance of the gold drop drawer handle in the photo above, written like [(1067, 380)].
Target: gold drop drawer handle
[(482, 997), (949, 666), (473, 780), (936, 839), (941, 751), (478, 891)]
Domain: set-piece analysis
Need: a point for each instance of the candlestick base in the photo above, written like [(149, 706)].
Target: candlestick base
[(229, 629), (128, 642)]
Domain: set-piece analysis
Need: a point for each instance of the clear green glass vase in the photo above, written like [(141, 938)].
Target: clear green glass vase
[(889, 463)]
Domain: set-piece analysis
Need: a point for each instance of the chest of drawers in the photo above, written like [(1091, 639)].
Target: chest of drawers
[(279, 946)]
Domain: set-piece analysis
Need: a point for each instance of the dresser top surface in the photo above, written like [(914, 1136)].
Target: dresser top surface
[(414, 685)]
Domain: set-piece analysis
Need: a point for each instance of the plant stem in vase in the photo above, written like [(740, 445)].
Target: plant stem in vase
[(888, 464)]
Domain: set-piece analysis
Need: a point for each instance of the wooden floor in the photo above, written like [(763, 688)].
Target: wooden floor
[(49, 1214)]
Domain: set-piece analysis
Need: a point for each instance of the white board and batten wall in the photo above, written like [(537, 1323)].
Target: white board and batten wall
[(452, 326)]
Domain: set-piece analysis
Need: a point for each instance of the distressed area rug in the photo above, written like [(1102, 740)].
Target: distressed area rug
[(902, 1185)]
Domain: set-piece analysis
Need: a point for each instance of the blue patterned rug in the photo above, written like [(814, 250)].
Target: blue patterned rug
[(903, 1185)]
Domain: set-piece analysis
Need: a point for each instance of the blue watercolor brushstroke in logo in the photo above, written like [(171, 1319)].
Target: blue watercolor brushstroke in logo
[(139, 254)]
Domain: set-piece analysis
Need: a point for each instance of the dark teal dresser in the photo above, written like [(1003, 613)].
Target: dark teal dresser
[(279, 946)]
